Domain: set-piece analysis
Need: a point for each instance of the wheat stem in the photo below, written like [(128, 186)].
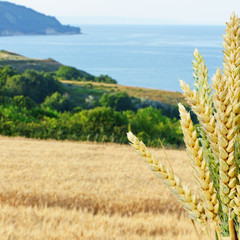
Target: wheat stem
[(183, 193), (207, 233), (232, 232), (195, 229), (163, 148), (218, 230)]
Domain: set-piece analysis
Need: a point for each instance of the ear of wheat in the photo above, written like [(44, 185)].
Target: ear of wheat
[(214, 151)]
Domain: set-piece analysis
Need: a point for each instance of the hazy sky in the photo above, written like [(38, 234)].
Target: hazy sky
[(172, 11)]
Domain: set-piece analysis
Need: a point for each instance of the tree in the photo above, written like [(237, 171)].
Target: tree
[(5, 72), (24, 102), (58, 102), (118, 101), (105, 79), (69, 73), (33, 84)]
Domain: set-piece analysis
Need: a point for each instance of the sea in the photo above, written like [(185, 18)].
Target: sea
[(152, 56)]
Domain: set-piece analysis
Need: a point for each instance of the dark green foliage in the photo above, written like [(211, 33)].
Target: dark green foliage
[(71, 73), (4, 100), (101, 122), (41, 113), (5, 72), (58, 102), (119, 101), (77, 110), (105, 79), (24, 102), (98, 124), (32, 84), (151, 126)]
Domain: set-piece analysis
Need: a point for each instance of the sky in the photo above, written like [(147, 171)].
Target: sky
[(201, 12)]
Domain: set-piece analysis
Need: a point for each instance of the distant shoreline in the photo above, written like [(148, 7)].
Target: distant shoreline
[(20, 20)]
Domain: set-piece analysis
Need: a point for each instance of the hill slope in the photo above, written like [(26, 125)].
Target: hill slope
[(19, 20), (163, 96), (22, 63)]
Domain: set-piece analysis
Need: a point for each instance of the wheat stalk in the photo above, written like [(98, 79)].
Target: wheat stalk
[(183, 193), (215, 155)]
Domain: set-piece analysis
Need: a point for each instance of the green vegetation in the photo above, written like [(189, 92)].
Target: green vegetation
[(22, 63), (71, 73), (32, 84), (100, 124), (144, 94), (35, 104), (58, 102), (118, 101)]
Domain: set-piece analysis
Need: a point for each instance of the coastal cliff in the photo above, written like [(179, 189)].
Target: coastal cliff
[(20, 20)]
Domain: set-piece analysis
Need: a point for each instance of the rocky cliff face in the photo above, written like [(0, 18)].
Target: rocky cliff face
[(19, 20)]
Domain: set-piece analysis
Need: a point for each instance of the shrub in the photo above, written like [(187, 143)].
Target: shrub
[(105, 79), (5, 72), (24, 102), (119, 101), (33, 84), (69, 73), (58, 102)]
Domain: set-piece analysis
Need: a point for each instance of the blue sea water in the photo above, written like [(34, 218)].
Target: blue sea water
[(152, 56)]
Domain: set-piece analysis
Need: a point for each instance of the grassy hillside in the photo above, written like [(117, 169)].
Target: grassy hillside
[(22, 63), (166, 97), (64, 190)]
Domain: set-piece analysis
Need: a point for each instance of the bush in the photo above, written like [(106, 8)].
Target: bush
[(21, 116), (69, 73), (118, 101), (151, 125), (24, 102), (5, 72), (33, 84), (58, 102), (105, 79)]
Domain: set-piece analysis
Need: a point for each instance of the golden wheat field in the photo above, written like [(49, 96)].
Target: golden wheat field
[(69, 190)]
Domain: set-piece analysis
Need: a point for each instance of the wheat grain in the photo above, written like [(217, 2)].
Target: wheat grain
[(183, 193), (232, 65), (231, 55), (203, 112), (200, 74), (226, 137), (201, 172)]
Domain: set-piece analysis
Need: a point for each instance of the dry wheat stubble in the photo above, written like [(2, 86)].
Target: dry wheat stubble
[(86, 190)]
